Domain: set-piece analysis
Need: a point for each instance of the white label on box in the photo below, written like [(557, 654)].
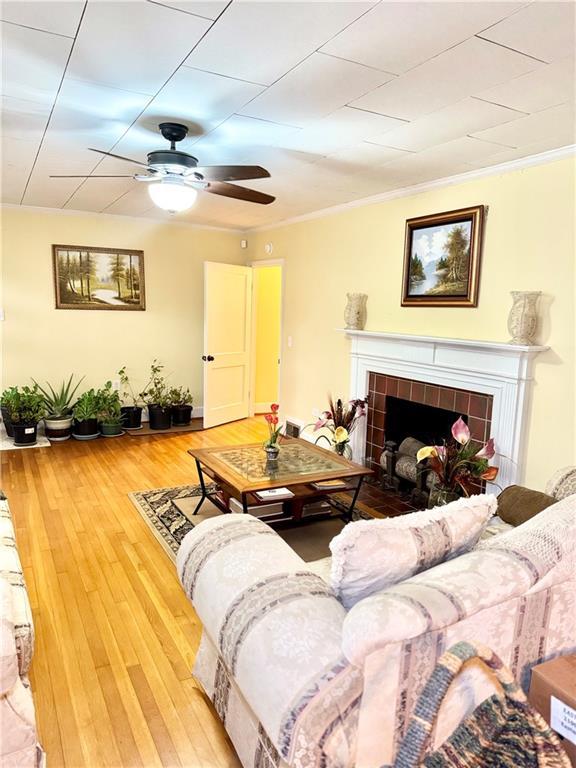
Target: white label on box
[(563, 719), (29, 431)]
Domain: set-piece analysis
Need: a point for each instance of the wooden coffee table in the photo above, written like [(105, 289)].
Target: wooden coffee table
[(239, 471)]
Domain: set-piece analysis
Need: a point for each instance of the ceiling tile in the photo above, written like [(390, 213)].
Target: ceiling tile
[(97, 194), (314, 89), (546, 30), (507, 155), (421, 167), (546, 87), (261, 41), (466, 69), (367, 154), (239, 131), (343, 128), (135, 51), (396, 36), (457, 120), (33, 63), (23, 119), (50, 193), (209, 9), (556, 122), (134, 202), (199, 99), (62, 18)]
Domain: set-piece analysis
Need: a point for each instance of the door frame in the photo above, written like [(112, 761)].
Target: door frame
[(255, 265)]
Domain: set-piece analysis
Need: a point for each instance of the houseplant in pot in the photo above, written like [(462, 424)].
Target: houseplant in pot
[(85, 412), (9, 397), (132, 413), (58, 403), (181, 406), (26, 410), (110, 416), (157, 397)]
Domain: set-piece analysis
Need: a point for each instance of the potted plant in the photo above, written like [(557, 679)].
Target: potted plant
[(9, 397), (85, 412), (271, 445), (181, 406), (340, 420), (131, 414), (26, 410), (458, 464), (157, 397), (109, 415), (58, 403)]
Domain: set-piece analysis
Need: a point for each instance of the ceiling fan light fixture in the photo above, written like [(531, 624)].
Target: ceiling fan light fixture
[(172, 195)]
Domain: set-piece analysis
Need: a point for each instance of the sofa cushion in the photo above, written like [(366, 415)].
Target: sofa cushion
[(371, 555), (517, 504)]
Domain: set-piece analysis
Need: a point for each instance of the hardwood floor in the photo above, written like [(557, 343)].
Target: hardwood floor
[(115, 634)]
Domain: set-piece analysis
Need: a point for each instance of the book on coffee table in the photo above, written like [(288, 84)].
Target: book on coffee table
[(274, 494), (329, 485)]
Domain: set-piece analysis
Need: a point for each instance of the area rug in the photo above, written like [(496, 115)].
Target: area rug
[(169, 513)]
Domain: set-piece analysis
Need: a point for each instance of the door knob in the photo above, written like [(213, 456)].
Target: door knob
[(207, 358), (210, 358)]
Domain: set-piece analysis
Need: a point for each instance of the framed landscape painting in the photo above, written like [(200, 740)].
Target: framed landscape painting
[(442, 259), (98, 278)]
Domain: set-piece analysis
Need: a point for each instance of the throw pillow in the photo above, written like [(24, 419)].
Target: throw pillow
[(371, 555), (517, 504)]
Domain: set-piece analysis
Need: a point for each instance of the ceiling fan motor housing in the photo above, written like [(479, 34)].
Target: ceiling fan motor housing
[(171, 161)]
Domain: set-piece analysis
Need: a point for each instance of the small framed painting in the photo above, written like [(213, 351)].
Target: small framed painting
[(98, 278), (442, 259)]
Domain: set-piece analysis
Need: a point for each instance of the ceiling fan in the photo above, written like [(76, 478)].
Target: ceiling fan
[(174, 177)]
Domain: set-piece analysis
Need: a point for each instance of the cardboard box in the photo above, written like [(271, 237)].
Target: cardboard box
[(553, 694)]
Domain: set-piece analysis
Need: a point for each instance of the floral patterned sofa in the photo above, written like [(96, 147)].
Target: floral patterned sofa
[(18, 738), (298, 681)]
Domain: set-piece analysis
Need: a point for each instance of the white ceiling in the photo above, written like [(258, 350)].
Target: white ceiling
[(339, 99)]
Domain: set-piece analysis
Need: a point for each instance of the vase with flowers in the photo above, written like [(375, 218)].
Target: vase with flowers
[(340, 420), (271, 444), (457, 464)]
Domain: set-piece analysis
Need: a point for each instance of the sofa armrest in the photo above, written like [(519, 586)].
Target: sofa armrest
[(276, 628)]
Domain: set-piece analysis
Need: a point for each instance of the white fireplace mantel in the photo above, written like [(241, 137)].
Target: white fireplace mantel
[(504, 371)]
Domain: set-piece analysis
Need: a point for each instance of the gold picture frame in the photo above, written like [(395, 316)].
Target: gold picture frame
[(442, 254), (98, 278)]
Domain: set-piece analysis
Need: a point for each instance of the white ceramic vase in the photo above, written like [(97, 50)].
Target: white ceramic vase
[(523, 318), (355, 312)]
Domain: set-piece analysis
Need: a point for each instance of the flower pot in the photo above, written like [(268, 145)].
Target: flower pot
[(7, 421), (440, 496), (160, 418), (87, 429), (181, 415), (272, 452), (58, 430), (25, 433), (111, 430), (131, 416)]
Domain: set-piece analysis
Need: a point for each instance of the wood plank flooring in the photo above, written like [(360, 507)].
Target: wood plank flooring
[(115, 634)]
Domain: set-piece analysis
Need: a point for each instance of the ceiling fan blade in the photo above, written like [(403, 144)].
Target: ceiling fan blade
[(239, 193), (231, 172), (118, 157), (87, 176)]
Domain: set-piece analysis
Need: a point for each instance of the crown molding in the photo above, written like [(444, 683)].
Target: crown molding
[(96, 214), (416, 189)]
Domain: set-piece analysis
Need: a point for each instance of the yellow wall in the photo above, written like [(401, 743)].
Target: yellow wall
[(529, 245), (267, 318), (50, 344)]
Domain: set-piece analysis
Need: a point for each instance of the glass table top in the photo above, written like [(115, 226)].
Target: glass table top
[(250, 462)]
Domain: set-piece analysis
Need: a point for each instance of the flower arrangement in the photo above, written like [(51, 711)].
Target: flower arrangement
[(273, 429), (341, 420), (460, 460)]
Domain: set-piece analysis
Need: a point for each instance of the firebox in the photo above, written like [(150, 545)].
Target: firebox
[(426, 423)]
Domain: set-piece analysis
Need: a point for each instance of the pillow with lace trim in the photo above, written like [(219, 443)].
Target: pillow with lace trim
[(371, 555)]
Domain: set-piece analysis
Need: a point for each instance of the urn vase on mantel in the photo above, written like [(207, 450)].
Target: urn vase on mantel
[(523, 318), (355, 312)]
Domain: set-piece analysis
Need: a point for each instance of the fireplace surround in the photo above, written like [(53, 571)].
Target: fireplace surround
[(490, 382)]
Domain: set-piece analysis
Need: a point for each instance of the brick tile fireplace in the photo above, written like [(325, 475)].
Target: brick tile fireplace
[(475, 407)]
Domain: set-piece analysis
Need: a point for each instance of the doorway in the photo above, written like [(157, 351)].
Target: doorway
[(266, 335)]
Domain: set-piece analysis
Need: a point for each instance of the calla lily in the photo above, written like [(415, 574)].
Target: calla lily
[(319, 424), (340, 435), (489, 474), (441, 451), (460, 431), (426, 452), (487, 451)]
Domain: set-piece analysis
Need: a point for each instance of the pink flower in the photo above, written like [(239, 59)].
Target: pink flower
[(441, 451), (487, 451), (319, 424), (274, 419), (274, 407), (460, 431), (269, 417)]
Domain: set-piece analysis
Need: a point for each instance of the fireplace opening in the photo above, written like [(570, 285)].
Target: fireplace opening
[(428, 424)]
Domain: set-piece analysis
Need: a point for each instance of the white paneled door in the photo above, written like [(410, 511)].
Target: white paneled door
[(227, 339)]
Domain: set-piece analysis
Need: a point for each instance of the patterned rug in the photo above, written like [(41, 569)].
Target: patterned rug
[(169, 513)]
